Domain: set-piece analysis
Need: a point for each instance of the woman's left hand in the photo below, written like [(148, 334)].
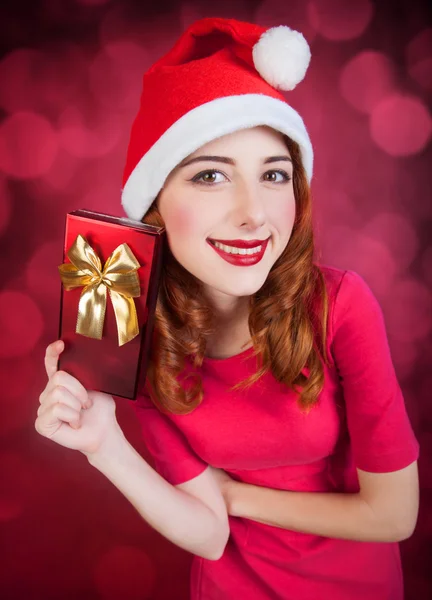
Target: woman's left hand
[(226, 486)]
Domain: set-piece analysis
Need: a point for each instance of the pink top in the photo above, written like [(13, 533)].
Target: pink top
[(261, 437)]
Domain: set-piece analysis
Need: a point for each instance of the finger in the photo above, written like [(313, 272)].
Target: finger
[(68, 415), (59, 395), (54, 417), (52, 354), (75, 387)]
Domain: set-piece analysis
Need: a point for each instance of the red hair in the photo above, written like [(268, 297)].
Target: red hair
[(287, 317)]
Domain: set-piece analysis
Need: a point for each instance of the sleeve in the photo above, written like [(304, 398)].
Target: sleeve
[(381, 434), (169, 449)]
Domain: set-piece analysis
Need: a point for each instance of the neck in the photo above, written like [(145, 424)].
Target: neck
[(232, 327), (229, 311)]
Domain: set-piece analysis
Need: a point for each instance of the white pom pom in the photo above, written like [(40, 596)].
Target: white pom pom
[(281, 56)]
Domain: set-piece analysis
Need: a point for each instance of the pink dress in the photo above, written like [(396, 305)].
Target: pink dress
[(261, 437)]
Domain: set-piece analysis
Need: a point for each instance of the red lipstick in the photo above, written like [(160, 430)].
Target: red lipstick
[(241, 243), (241, 260)]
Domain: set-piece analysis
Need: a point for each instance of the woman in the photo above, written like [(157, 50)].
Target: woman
[(284, 458)]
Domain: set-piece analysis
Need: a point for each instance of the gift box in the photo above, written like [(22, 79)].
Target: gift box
[(110, 280)]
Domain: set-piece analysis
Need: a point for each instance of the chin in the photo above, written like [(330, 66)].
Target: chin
[(238, 290)]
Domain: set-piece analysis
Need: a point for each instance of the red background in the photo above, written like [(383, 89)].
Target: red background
[(70, 80)]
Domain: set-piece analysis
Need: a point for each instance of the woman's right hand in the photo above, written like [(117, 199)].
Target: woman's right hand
[(69, 414)]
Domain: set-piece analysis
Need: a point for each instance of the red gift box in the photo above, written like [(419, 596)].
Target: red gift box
[(103, 364)]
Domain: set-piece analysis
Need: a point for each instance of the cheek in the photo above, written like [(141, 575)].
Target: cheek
[(181, 221), (184, 224), (283, 214), (290, 212)]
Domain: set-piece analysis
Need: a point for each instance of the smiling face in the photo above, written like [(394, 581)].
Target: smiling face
[(237, 187)]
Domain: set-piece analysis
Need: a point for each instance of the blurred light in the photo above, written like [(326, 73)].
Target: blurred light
[(339, 20), (419, 58), (85, 142), (42, 276), (62, 172), (125, 572), (92, 2), (401, 125), (103, 196), (349, 248), (372, 256), (116, 24), (408, 188), (271, 13), (61, 76), (421, 72), (21, 324), (398, 234), (366, 79), (338, 207), (5, 205), (404, 355), (28, 145), (40, 81), (17, 68), (15, 471), (192, 11), (408, 313), (16, 375), (115, 75), (411, 396), (420, 47), (426, 263), (156, 35), (424, 392)]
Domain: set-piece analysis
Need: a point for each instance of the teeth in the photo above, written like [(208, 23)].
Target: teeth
[(233, 250)]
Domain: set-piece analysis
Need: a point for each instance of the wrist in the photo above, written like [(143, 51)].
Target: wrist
[(110, 448), (233, 498)]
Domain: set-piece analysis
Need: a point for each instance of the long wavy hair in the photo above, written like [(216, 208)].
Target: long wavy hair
[(287, 317)]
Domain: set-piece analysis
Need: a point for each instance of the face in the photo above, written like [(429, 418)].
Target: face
[(237, 187)]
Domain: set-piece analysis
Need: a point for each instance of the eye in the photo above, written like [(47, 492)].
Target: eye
[(284, 177), (207, 177)]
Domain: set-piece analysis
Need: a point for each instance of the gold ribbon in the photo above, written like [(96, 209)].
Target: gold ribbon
[(119, 275)]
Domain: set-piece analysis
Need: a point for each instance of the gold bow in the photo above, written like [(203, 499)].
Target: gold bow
[(119, 275)]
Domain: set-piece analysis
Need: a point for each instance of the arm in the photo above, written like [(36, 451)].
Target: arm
[(385, 510), (181, 517), (193, 517), (382, 440)]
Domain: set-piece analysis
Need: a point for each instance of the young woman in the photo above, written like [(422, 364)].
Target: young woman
[(284, 457)]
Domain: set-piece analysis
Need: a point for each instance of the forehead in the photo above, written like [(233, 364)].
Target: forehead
[(261, 139)]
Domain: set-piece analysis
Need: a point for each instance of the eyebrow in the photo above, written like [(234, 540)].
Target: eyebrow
[(231, 161)]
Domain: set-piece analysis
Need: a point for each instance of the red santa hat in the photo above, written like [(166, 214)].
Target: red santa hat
[(222, 75)]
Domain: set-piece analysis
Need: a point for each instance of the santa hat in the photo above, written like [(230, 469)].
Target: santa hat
[(222, 75)]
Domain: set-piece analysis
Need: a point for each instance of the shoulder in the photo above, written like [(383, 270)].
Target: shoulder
[(334, 277), (345, 287), (353, 308)]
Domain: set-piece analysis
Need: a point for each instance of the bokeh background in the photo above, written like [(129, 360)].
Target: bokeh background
[(70, 81)]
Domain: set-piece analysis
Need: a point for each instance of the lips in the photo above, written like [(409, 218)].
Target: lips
[(240, 243), (242, 260)]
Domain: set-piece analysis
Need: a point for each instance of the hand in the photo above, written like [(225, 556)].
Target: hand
[(69, 414), (227, 486)]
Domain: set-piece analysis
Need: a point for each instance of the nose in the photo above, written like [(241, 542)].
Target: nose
[(249, 208)]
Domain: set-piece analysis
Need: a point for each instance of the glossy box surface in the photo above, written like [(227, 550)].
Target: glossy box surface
[(103, 365)]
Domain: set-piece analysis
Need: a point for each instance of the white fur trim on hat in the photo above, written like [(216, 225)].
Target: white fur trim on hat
[(281, 56), (200, 126)]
